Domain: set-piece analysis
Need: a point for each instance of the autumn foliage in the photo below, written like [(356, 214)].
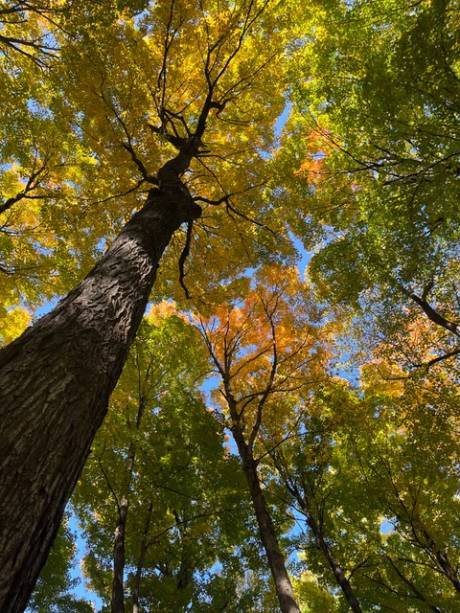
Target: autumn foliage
[(229, 306)]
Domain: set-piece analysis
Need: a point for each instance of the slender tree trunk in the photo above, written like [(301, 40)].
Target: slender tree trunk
[(118, 589), (448, 569), (56, 379), (336, 568), (136, 590), (317, 530), (417, 593), (267, 531)]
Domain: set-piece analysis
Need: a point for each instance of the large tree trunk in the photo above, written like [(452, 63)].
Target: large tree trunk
[(275, 557), (55, 382)]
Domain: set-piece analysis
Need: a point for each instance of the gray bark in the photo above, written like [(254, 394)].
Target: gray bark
[(56, 379)]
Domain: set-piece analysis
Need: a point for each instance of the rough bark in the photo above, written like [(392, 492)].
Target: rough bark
[(275, 557), (56, 379)]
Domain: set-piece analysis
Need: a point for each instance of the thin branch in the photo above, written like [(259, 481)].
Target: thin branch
[(109, 485), (183, 257), (429, 311)]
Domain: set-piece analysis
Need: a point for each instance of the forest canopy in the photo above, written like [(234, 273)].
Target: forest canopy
[(229, 306)]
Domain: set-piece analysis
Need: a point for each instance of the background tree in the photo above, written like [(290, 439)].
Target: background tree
[(263, 351), (160, 500), (309, 465), (375, 155), (406, 453)]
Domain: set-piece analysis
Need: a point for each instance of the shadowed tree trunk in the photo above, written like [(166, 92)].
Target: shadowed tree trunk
[(336, 568), (56, 379), (118, 590), (275, 557), (117, 602), (136, 588)]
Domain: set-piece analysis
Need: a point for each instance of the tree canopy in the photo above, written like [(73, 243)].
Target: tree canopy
[(229, 305)]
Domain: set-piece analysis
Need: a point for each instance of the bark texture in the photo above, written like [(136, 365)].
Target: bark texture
[(55, 383), (275, 557)]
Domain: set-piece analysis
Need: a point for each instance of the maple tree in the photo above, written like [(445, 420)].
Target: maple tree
[(303, 464), (170, 488), (216, 137), (259, 357), (364, 476), (72, 357)]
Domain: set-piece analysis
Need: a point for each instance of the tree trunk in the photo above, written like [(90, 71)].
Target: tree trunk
[(55, 382), (136, 590), (441, 556), (275, 558), (447, 568), (118, 589), (337, 570), (318, 532)]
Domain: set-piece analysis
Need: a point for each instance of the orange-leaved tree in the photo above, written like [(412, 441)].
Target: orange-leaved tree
[(265, 349)]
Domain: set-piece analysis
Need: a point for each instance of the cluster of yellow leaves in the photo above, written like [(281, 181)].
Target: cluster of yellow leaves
[(14, 322), (161, 310)]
